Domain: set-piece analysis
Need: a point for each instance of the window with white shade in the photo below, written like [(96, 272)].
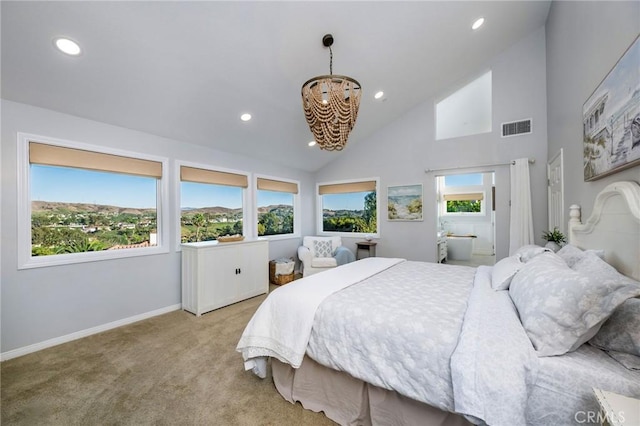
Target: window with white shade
[(348, 207), (82, 203), (211, 203), (276, 202)]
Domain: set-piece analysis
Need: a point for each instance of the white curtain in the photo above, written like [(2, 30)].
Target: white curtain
[(521, 225)]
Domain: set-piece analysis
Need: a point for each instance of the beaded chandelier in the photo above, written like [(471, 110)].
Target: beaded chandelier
[(331, 104)]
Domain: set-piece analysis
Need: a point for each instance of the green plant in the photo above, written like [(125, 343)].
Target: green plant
[(556, 236)]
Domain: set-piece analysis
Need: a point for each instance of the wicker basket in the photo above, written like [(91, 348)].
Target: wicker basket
[(279, 279)]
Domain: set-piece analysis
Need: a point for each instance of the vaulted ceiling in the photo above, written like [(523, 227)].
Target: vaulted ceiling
[(187, 70)]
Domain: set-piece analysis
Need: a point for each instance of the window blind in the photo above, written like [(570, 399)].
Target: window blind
[(192, 174), (53, 155), (477, 196), (343, 188), (277, 185)]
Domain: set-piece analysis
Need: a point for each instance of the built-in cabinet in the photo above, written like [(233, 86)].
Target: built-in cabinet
[(442, 249), (219, 274)]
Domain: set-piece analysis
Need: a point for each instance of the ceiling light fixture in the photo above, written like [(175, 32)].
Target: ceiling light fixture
[(378, 95), (477, 24), (312, 143), (331, 104), (245, 117), (67, 46)]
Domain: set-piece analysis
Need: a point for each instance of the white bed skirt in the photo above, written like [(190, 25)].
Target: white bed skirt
[(349, 401)]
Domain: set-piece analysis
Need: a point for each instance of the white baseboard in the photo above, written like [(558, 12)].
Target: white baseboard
[(4, 356)]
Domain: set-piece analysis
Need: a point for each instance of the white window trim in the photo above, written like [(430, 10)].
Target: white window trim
[(297, 226), (319, 230), (248, 228), (483, 204), (26, 261)]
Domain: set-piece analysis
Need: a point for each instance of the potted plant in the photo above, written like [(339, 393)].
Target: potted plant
[(555, 239)]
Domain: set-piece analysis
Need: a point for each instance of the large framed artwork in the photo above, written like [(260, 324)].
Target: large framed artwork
[(404, 203), (611, 119)]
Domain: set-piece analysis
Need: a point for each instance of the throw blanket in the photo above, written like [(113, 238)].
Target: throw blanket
[(282, 324), (343, 256)]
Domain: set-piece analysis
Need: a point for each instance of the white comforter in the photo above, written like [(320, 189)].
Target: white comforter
[(397, 330), (282, 324)]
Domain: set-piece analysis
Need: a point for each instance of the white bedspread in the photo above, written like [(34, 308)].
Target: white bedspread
[(397, 330), (282, 324)]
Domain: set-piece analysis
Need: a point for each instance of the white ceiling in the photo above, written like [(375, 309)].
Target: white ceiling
[(187, 70)]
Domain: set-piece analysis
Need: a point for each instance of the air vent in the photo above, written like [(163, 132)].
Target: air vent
[(516, 128)]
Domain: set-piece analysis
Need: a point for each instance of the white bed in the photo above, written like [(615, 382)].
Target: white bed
[(421, 343)]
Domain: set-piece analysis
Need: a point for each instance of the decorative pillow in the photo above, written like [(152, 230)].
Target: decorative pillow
[(322, 248), (621, 332), (504, 270), (572, 254), (530, 251), (561, 308)]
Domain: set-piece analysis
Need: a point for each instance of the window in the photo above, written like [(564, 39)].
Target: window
[(276, 207), (349, 207), (465, 112), (82, 203), (211, 203), (464, 203)]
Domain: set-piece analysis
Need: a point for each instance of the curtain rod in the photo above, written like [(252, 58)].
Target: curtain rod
[(531, 161)]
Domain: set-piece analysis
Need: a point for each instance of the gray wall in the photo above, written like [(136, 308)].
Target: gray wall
[(584, 41), (400, 153), (47, 303)]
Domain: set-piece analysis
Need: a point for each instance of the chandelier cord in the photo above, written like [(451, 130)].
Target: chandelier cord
[(330, 61)]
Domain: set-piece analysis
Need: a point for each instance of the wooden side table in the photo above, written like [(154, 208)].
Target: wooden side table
[(366, 248)]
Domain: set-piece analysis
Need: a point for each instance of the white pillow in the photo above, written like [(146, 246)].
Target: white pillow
[(504, 270), (561, 308), (530, 251), (322, 248)]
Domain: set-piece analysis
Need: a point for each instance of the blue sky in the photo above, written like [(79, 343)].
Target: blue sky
[(71, 185), (351, 201), (463, 180)]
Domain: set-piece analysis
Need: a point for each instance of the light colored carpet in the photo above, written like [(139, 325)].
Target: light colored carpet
[(174, 369)]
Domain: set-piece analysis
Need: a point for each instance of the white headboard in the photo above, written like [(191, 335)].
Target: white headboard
[(614, 226)]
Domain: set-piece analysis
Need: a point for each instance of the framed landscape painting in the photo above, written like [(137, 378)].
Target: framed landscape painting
[(404, 203), (611, 119)]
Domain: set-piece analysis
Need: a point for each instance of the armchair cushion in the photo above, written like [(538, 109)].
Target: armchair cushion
[(324, 262)]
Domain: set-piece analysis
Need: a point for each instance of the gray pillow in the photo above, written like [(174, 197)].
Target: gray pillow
[(621, 332), (561, 308), (572, 254)]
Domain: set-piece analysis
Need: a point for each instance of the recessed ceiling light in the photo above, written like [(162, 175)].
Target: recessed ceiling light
[(245, 117), (477, 24), (379, 94), (312, 143), (67, 46)]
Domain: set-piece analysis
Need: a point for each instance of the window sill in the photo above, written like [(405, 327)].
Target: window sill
[(73, 258)]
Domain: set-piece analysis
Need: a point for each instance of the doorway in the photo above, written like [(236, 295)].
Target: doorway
[(466, 218)]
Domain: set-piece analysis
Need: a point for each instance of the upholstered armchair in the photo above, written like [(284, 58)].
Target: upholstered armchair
[(318, 254)]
